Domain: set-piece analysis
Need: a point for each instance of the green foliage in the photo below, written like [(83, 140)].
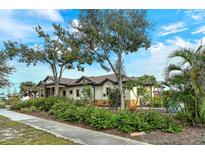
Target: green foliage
[(145, 121), (70, 57), (126, 121), (146, 98), (202, 110), (59, 108), (185, 117), (187, 76), (157, 101), (42, 104), (114, 97), (87, 95), (28, 87), (2, 104), (29, 109), (16, 103), (103, 33), (85, 114), (5, 70), (102, 119)]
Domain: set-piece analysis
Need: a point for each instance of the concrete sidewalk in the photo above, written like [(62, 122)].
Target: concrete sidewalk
[(76, 134)]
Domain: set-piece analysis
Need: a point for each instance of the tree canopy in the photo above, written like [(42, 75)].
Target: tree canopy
[(5, 70), (108, 35), (59, 50)]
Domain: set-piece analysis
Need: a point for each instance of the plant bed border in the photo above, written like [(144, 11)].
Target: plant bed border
[(45, 115), (142, 138)]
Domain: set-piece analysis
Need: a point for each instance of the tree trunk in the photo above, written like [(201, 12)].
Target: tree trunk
[(122, 101), (56, 93)]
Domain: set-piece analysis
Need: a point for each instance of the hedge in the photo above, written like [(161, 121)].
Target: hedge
[(126, 121)]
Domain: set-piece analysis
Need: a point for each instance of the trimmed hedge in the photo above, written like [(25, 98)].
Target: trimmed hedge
[(126, 121), (42, 104)]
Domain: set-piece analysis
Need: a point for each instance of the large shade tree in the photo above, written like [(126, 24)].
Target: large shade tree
[(109, 35), (5, 70), (186, 78), (60, 51)]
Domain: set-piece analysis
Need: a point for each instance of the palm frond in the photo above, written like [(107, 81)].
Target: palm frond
[(185, 53), (172, 68)]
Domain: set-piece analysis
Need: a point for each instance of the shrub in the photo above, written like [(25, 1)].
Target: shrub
[(19, 105), (2, 104), (26, 109), (185, 117), (169, 126), (140, 121), (202, 111), (149, 120), (84, 114), (126, 121), (14, 102), (70, 114), (101, 119), (29, 109), (59, 108), (157, 101), (87, 95)]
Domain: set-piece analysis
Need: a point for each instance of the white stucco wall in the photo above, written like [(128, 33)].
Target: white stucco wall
[(99, 91)]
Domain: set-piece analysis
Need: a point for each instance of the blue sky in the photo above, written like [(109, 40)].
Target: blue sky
[(172, 29)]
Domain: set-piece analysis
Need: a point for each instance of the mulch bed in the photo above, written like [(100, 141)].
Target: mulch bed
[(189, 135)]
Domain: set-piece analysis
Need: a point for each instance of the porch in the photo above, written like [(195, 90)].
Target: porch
[(50, 91)]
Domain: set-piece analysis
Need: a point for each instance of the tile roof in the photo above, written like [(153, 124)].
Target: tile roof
[(96, 80), (92, 79)]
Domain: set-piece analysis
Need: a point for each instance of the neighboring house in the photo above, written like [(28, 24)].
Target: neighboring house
[(72, 88)]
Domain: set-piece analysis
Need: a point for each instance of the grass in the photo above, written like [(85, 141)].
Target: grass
[(15, 133)]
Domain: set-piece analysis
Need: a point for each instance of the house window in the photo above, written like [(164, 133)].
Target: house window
[(71, 92), (41, 92), (107, 91), (77, 93), (64, 93)]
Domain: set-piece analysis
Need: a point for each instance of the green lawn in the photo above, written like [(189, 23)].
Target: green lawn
[(14, 133)]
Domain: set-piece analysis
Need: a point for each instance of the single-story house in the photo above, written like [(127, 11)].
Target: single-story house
[(101, 85)]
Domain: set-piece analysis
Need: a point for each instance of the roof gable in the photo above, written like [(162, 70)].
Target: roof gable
[(83, 80)]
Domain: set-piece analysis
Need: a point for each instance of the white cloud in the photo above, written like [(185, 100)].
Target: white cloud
[(11, 28), (157, 57), (18, 25), (197, 15), (199, 30), (52, 15), (173, 28)]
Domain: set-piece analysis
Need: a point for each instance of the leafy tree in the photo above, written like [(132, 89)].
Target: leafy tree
[(140, 84), (87, 95), (107, 35), (61, 52), (28, 87), (5, 70), (186, 78)]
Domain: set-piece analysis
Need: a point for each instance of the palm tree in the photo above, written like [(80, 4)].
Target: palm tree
[(187, 77)]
